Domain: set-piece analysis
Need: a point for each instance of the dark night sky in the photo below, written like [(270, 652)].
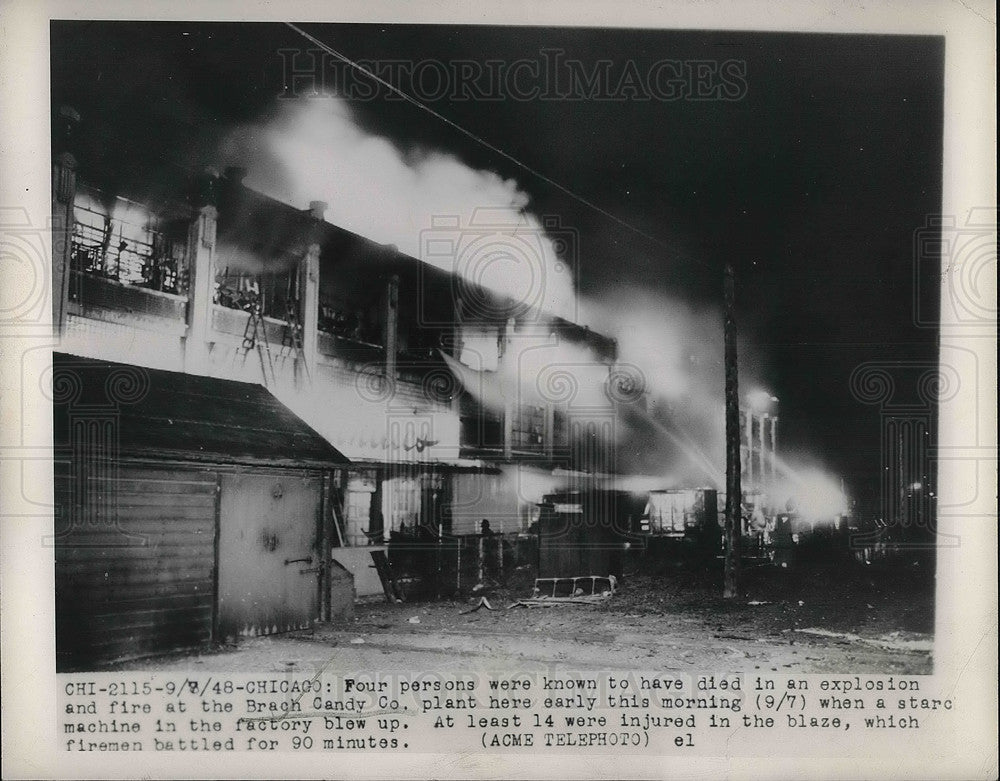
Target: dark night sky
[(812, 185)]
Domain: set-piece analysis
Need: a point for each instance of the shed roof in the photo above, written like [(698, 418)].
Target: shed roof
[(168, 415)]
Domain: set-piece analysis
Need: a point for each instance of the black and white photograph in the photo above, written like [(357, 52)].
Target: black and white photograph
[(331, 328), (520, 388)]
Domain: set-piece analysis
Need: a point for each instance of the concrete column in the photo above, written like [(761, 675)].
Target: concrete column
[(390, 336), (63, 194), (201, 290), (749, 430), (309, 273), (308, 293)]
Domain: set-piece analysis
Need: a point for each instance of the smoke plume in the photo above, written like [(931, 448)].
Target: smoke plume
[(314, 149), (418, 201)]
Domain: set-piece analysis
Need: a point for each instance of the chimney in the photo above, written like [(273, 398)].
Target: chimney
[(235, 174), (67, 121), (206, 188), (317, 209), (229, 189)]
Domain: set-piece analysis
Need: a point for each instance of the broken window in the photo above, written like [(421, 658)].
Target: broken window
[(357, 318), (120, 240), (278, 294)]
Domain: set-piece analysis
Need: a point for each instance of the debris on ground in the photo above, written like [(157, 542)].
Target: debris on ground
[(578, 586), (679, 615), (892, 641), (391, 586), (483, 602), (590, 599), (413, 620)]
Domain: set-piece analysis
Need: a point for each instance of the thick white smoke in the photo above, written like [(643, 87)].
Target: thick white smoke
[(424, 202), (807, 488), (475, 224), (677, 348)]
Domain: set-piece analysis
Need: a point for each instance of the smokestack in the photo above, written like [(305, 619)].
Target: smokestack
[(317, 209), (733, 493), (762, 455), (749, 464), (774, 445)]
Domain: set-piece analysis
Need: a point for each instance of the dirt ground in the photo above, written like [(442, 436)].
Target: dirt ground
[(818, 617)]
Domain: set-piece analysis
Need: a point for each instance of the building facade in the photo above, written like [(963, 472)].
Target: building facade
[(441, 399)]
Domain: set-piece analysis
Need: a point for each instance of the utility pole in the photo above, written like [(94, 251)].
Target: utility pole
[(733, 493)]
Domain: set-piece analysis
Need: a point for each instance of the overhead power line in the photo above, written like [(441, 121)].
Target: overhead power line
[(478, 139)]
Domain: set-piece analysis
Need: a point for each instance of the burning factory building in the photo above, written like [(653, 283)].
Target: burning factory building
[(387, 399), (412, 322)]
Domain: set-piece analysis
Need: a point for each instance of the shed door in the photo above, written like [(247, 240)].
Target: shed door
[(135, 561), (268, 560)]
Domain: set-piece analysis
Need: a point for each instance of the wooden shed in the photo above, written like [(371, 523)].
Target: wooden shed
[(584, 533), (188, 509)]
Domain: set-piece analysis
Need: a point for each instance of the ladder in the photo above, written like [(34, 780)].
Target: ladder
[(255, 338), (291, 339)]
